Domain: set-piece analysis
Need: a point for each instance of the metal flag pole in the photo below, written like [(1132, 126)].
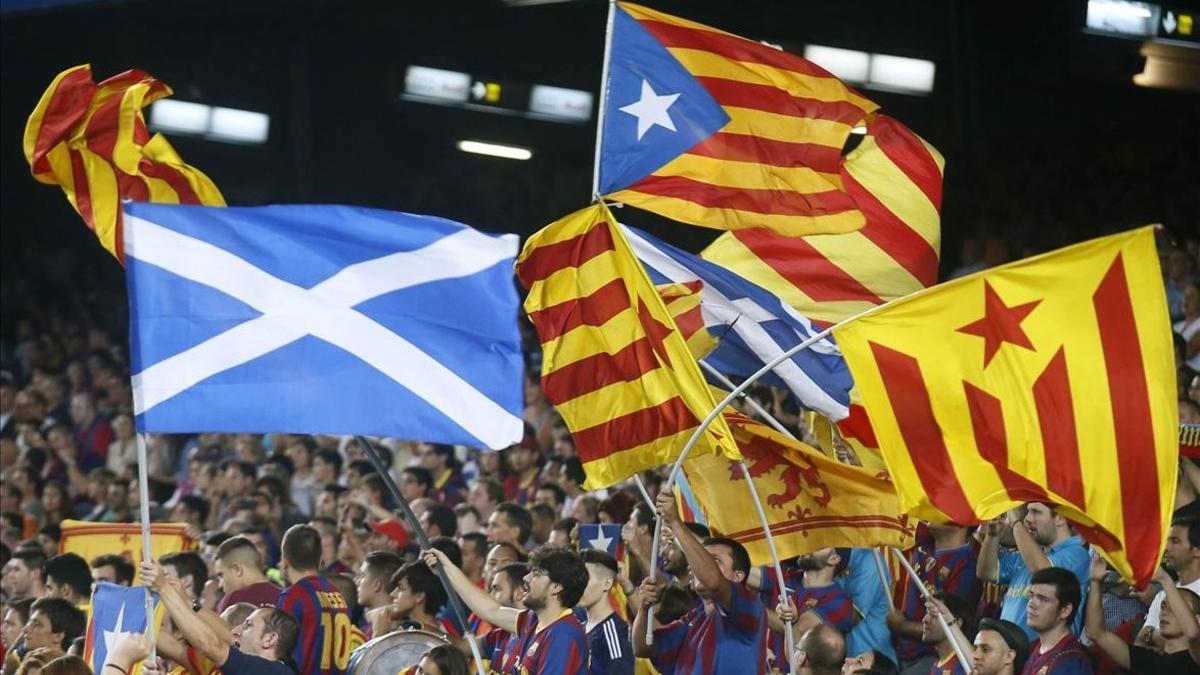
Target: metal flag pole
[(877, 556), (750, 400), (963, 659), (422, 537), (762, 514), (637, 480), (603, 104), (147, 547)]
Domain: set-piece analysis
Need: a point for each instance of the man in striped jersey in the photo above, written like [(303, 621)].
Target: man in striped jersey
[(316, 605), (728, 633), (608, 634)]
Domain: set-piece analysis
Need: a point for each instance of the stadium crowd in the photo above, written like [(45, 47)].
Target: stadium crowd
[(302, 556)]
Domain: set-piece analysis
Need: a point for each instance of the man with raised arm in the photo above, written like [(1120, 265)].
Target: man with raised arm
[(263, 643), (547, 639), (728, 632)]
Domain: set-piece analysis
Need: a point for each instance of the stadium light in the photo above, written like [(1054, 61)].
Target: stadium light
[(495, 150), (225, 125)]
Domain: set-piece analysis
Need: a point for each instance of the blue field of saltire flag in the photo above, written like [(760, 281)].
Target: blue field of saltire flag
[(753, 327), (322, 319)]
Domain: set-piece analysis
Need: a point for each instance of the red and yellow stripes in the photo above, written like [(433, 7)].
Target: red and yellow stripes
[(683, 302), (776, 163), (895, 179), (93, 142), (614, 363), (1079, 413)]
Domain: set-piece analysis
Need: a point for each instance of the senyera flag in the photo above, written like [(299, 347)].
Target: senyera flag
[(1050, 379), (712, 129), (91, 140), (613, 362)]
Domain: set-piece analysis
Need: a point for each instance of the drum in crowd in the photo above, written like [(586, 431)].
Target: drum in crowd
[(393, 652)]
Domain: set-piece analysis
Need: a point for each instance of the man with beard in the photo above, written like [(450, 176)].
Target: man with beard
[(1001, 648), (728, 631), (1178, 629), (960, 618), (818, 600), (507, 587), (547, 638), (1044, 539), (1053, 604)]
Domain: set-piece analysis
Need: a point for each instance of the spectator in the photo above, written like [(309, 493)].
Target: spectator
[(92, 433), (510, 523), (524, 463), (449, 487), (417, 597), (1179, 629), (16, 615), (190, 569), (53, 622), (821, 651), (314, 603), (122, 451), (474, 555), (113, 568), (1182, 556), (238, 568), (608, 634), (1001, 648), (69, 577), (415, 483), (1054, 597), (485, 495), (468, 519), (1044, 539), (23, 573), (374, 583)]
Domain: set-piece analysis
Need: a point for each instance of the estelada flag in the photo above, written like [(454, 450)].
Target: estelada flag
[(114, 612), (712, 129), (88, 540), (811, 501), (1050, 379), (613, 361), (91, 139)]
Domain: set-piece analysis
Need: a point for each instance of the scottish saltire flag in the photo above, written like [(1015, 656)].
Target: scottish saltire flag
[(322, 319), (753, 326), (115, 610), (602, 537)]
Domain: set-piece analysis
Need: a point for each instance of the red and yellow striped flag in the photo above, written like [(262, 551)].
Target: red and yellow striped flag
[(92, 141), (613, 362), (755, 133), (895, 178), (683, 302), (811, 501), (1051, 379)]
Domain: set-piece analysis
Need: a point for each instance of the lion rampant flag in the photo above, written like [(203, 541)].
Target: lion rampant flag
[(1050, 379), (88, 539), (811, 501), (91, 140), (613, 361)]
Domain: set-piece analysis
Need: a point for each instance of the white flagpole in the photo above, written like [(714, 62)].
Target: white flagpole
[(750, 400), (603, 103), (958, 650), (147, 548)]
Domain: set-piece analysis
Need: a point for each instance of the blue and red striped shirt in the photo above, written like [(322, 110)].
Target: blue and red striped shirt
[(326, 632), (560, 647), (951, 571), (711, 639), (831, 603), (1068, 657)]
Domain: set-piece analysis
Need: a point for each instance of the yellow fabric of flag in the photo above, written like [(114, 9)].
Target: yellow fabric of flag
[(1050, 379), (613, 361), (811, 501), (91, 140), (88, 540), (683, 302)]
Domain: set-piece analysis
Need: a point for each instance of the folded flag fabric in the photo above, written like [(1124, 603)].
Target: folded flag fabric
[(753, 327), (1011, 386), (683, 302), (811, 501), (116, 611), (613, 362), (712, 129), (323, 319), (91, 140)]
